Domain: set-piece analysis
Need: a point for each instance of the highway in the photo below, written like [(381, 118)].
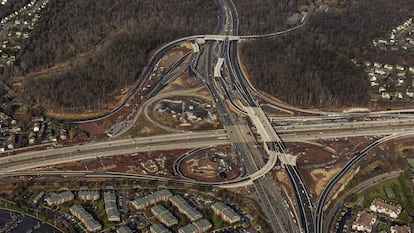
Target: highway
[(29, 160), (237, 129), (295, 137), (235, 100), (357, 125)]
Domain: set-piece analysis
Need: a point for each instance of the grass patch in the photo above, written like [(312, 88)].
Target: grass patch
[(360, 201), (390, 193), (217, 222), (144, 128), (411, 162), (370, 167), (260, 223)]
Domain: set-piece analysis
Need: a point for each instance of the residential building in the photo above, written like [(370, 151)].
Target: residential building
[(88, 195), (143, 202), (60, 198), (184, 208), (123, 229), (37, 199), (382, 207), (198, 226), (158, 228), (364, 222), (86, 218), (400, 229), (111, 207), (164, 216), (388, 67), (225, 212)]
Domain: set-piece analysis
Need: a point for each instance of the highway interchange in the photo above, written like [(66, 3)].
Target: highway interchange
[(217, 63)]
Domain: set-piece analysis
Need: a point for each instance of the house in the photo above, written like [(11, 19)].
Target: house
[(377, 65), (184, 208), (63, 134), (400, 229), (374, 84), (364, 222), (388, 67), (36, 127), (32, 138), (164, 216), (400, 81), (373, 78), (86, 218), (37, 199), (409, 93), (10, 141), (111, 207), (382, 42), (385, 95), (380, 72), (381, 207), (199, 226), (158, 228), (88, 195), (144, 202), (225, 212), (60, 198), (123, 229), (400, 68)]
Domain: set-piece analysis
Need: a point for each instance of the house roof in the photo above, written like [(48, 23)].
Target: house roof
[(400, 229), (364, 219), (159, 228), (380, 203), (123, 229)]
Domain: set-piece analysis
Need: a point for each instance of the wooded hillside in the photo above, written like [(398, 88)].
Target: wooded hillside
[(11, 6), (312, 66), (266, 16), (82, 53)]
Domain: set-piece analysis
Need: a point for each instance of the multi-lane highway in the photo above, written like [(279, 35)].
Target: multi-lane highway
[(29, 160), (235, 100)]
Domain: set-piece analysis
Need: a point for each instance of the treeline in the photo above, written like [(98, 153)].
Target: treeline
[(312, 66), (266, 16), (98, 47), (11, 6)]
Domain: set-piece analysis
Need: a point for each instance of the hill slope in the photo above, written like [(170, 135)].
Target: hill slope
[(312, 67), (82, 53)]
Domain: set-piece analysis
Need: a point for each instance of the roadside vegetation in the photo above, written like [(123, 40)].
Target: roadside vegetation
[(312, 67), (82, 55)]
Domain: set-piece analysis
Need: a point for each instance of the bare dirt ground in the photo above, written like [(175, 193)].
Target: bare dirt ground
[(135, 163), (320, 161), (233, 164)]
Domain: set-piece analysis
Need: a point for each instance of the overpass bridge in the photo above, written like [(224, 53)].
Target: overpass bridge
[(272, 143)]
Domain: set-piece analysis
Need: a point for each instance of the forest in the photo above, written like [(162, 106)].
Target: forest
[(82, 53), (266, 16), (312, 66), (11, 6)]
